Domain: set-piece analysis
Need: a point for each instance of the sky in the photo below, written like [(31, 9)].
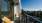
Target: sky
[(31, 5)]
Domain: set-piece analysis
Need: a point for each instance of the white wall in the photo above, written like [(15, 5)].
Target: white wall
[(17, 8)]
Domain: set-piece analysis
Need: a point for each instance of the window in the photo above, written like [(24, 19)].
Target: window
[(4, 8)]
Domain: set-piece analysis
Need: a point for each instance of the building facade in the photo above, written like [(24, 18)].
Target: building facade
[(9, 8)]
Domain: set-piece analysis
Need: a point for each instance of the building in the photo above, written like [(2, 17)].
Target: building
[(10, 6)]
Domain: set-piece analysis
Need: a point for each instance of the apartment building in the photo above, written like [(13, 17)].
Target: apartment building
[(9, 8)]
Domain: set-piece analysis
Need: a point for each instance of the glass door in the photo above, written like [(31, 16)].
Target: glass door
[(4, 9)]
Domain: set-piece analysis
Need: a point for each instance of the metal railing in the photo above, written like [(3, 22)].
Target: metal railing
[(34, 19), (26, 17)]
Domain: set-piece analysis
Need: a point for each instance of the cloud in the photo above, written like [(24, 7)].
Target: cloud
[(32, 9)]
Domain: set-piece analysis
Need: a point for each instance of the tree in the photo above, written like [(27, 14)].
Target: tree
[(41, 14)]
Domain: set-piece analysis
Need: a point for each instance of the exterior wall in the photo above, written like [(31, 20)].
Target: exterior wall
[(17, 9)]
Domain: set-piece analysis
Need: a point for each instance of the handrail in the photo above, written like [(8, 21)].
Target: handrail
[(34, 18)]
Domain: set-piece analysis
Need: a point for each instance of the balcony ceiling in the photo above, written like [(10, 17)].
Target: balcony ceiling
[(16, 1)]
